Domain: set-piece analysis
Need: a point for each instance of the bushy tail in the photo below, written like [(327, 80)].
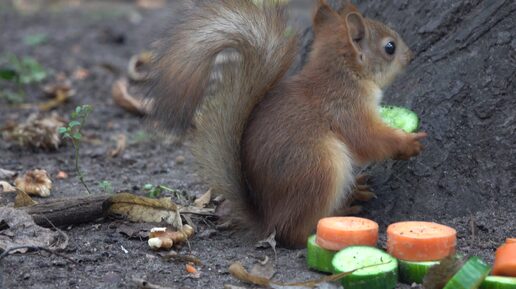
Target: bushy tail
[(266, 51)]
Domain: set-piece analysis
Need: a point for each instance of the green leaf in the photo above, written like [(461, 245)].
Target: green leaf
[(77, 136), (74, 123), (8, 74), (35, 39), (78, 110), (148, 187), (67, 135), (12, 97), (62, 130)]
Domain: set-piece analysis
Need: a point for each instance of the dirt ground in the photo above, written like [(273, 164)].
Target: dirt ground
[(101, 36)]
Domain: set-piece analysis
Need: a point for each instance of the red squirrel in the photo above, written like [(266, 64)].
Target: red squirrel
[(281, 149)]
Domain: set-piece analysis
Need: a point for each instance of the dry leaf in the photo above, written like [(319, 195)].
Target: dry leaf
[(36, 132), (439, 275), (136, 63), (60, 93), (122, 98), (264, 269), (239, 272), (81, 73), (23, 200), (35, 182), (142, 209), (203, 200), (121, 144), (269, 242), (150, 4), (22, 231), (6, 174), (5, 187)]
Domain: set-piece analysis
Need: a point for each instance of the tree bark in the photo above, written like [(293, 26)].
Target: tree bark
[(462, 85)]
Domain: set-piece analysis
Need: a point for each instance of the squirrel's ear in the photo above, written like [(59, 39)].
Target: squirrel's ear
[(356, 30), (323, 14)]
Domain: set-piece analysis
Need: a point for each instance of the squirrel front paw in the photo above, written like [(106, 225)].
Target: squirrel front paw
[(411, 146)]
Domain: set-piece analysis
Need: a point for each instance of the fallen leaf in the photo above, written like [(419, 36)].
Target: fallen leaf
[(264, 269), (6, 174), (60, 92), (239, 272), (23, 200), (81, 73), (142, 209), (269, 242), (22, 231), (121, 144), (229, 286), (5, 187), (133, 231), (203, 200), (150, 4), (61, 175), (439, 275), (35, 182), (133, 104), (36, 132), (136, 63)]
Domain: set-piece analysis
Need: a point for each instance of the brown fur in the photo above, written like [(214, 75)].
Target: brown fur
[(284, 151)]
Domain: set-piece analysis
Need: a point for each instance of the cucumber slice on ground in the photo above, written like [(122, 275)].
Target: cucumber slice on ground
[(400, 117), (414, 272), (383, 276), (499, 282), (470, 276), (317, 257)]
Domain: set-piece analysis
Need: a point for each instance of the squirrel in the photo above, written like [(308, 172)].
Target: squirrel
[(282, 150)]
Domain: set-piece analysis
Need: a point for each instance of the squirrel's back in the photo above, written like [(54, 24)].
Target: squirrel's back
[(204, 29)]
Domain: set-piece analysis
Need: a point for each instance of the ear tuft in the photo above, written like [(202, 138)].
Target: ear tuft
[(323, 14)]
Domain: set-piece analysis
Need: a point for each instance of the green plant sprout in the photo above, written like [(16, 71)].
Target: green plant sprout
[(72, 131), (155, 191), (21, 72), (106, 186)]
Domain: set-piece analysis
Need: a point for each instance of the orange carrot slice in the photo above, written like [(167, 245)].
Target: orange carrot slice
[(505, 259), (420, 241), (337, 233)]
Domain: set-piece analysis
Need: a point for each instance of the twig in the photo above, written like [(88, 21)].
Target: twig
[(35, 248)]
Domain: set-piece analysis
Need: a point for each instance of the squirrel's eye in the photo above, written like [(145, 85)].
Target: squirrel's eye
[(390, 48)]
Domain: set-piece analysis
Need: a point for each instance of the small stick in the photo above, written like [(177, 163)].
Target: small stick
[(35, 248)]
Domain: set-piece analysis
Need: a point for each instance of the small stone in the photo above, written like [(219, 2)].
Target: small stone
[(180, 160)]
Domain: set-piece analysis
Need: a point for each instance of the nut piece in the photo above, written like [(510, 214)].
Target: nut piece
[(160, 238), (35, 182)]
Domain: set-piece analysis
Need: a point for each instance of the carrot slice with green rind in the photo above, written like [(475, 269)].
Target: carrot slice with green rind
[(337, 233), (317, 257), (470, 276), (420, 241)]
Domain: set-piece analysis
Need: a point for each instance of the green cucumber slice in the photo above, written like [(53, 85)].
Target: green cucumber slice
[(499, 282), (317, 257), (414, 272), (400, 117), (383, 276), (470, 276)]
